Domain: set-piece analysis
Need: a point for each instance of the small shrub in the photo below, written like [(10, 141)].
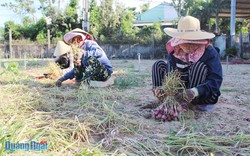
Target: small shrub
[(127, 81), (232, 51)]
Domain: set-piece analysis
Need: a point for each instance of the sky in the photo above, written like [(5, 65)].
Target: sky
[(7, 15)]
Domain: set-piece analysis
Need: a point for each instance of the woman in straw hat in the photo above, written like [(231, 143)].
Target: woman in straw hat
[(63, 57), (90, 61), (191, 53)]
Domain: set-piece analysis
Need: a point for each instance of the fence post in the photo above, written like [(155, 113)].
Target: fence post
[(10, 42), (241, 44), (227, 62), (153, 45), (139, 60), (48, 34), (232, 22), (25, 61), (1, 58)]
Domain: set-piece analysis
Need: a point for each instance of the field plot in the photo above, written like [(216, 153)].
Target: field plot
[(108, 121)]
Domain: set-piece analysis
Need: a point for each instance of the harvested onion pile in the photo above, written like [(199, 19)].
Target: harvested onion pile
[(170, 109), (54, 70)]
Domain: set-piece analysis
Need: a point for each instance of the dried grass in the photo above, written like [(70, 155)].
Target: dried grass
[(173, 84), (94, 122)]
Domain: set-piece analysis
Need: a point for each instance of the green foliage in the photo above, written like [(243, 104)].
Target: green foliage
[(145, 7), (110, 22), (41, 38), (127, 29), (11, 67), (33, 30), (94, 18), (1, 33), (242, 26), (201, 9), (113, 24), (149, 33), (102, 38), (109, 18), (15, 30), (129, 80), (2, 142), (26, 21), (71, 15), (232, 51), (47, 9), (27, 31), (245, 26)]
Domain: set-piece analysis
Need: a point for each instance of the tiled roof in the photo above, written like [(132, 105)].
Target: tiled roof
[(242, 9)]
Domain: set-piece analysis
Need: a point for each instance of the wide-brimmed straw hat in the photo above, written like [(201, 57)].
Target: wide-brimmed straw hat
[(61, 48), (77, 32), (188, 29)]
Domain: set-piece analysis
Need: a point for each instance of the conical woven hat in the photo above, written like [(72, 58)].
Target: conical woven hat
[(61, 48)]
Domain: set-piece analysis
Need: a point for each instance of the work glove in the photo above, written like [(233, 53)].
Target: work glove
[(186, 95)]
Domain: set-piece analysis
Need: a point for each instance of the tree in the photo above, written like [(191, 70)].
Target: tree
[(1, 33), (71, 15), (145, 7), (109, 19), (15, 28), (147, 32), (215, 7), (41, 31), (47, 9), (204, 10), (178, 5), (26, 21), (94, 18), (127, 19)]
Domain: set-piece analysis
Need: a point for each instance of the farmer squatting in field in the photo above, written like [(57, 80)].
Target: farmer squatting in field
[(90, 61), (190, 53)]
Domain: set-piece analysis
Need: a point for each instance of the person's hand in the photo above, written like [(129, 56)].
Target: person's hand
[(186, 95), (58, 83), (159, 94), (77, 62), (179, 96)]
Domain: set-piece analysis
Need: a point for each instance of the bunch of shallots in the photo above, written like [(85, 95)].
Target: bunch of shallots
[(169, 112), (170, 109)]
